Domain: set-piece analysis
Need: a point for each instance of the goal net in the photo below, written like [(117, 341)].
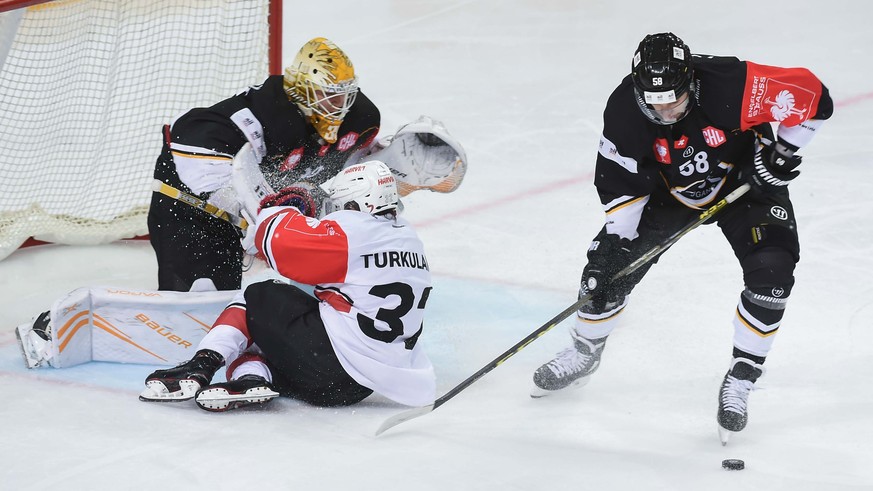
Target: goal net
[(85, 88)]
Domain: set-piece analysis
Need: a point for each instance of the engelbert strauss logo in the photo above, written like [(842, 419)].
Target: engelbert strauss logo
[(783, 106)]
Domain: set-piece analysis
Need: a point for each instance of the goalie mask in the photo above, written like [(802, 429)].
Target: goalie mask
[(322, 82), (369, 187)]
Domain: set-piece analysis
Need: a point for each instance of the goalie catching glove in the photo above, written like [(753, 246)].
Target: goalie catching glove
[(423, 155)]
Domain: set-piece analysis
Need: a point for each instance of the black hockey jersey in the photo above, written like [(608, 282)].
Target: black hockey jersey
[(203, 141), (698, 158)]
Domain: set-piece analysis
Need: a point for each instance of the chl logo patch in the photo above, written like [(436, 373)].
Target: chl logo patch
[(347, 141), (713, 136), (779, 212)]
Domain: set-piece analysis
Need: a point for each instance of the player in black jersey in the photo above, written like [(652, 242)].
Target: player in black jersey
[(680, 132), (304, 126)]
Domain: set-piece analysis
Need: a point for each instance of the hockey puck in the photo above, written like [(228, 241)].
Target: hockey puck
[(733, 464)]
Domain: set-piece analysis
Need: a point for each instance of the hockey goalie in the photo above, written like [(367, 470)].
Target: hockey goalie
[(161, 327)]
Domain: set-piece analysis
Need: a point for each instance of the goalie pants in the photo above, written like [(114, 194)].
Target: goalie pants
[(285, 323), (188, 242)]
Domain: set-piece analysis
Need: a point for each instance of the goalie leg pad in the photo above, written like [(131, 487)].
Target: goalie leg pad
[(121, 325), (34, 339)]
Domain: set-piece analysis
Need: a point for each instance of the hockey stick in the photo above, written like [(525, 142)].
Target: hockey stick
[(638, 263), (159, 186)]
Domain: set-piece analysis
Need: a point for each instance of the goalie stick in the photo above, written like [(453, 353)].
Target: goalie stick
[(159, 186), (639, 262)]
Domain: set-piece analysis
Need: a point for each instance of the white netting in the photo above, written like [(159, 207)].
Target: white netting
[(85, 88)]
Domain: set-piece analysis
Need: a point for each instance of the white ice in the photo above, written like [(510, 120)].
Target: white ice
[(522, 84)]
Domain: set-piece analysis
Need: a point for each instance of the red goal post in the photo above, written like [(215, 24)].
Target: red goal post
[(85, 87)]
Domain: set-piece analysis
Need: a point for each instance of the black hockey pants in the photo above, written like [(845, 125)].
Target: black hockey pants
[(190, 243), (284, 321)]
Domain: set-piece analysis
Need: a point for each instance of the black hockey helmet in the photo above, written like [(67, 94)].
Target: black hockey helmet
[(662, 73)]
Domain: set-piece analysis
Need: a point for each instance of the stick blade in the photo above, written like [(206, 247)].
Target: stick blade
[(404, 416)]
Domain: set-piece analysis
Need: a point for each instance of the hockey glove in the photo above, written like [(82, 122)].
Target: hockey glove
[(609, 256), (423, 155), (774, 167), (305, 196)]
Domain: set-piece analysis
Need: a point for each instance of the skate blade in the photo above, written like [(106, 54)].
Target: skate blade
[(219, 399), (538, 392), (724, 435), (156, 391)]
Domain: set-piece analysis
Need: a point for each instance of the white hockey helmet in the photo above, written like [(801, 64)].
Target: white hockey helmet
[(322, 81), (369, 187)]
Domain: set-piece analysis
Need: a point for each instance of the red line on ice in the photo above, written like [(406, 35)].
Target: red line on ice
[(553, 186)]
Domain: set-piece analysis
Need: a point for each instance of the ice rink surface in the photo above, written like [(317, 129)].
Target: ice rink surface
[(522, 84)]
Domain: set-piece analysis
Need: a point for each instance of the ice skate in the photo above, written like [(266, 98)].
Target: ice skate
[(733, 397), (244, 391), (182, 382), (570, 368), (34, 339)]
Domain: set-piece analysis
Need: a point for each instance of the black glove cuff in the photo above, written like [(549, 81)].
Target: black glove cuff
[(788, 146)]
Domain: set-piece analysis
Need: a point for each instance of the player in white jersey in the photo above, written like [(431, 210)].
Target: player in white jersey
[(357, 335), (124, 325)]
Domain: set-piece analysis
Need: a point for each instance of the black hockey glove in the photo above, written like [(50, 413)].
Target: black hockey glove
[(610, 256), (774, 167), (305, 196)]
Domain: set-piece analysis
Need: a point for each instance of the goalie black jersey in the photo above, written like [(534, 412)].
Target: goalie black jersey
[(204, 140), (698, 158)]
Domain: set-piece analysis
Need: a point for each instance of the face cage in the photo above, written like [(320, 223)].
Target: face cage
[(331, 102), (653, 114)]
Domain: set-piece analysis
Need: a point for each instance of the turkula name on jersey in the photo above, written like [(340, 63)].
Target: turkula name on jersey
[(396, 259)]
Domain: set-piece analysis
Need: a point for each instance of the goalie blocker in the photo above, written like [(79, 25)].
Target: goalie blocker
[(120, 325)]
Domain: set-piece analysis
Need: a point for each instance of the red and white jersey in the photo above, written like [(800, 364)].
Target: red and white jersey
[(373, 280)]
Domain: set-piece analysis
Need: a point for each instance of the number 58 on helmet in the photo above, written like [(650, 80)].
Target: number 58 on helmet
[(663, 78)]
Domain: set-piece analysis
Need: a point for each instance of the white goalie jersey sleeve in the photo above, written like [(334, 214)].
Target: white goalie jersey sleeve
[(372, 278)]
